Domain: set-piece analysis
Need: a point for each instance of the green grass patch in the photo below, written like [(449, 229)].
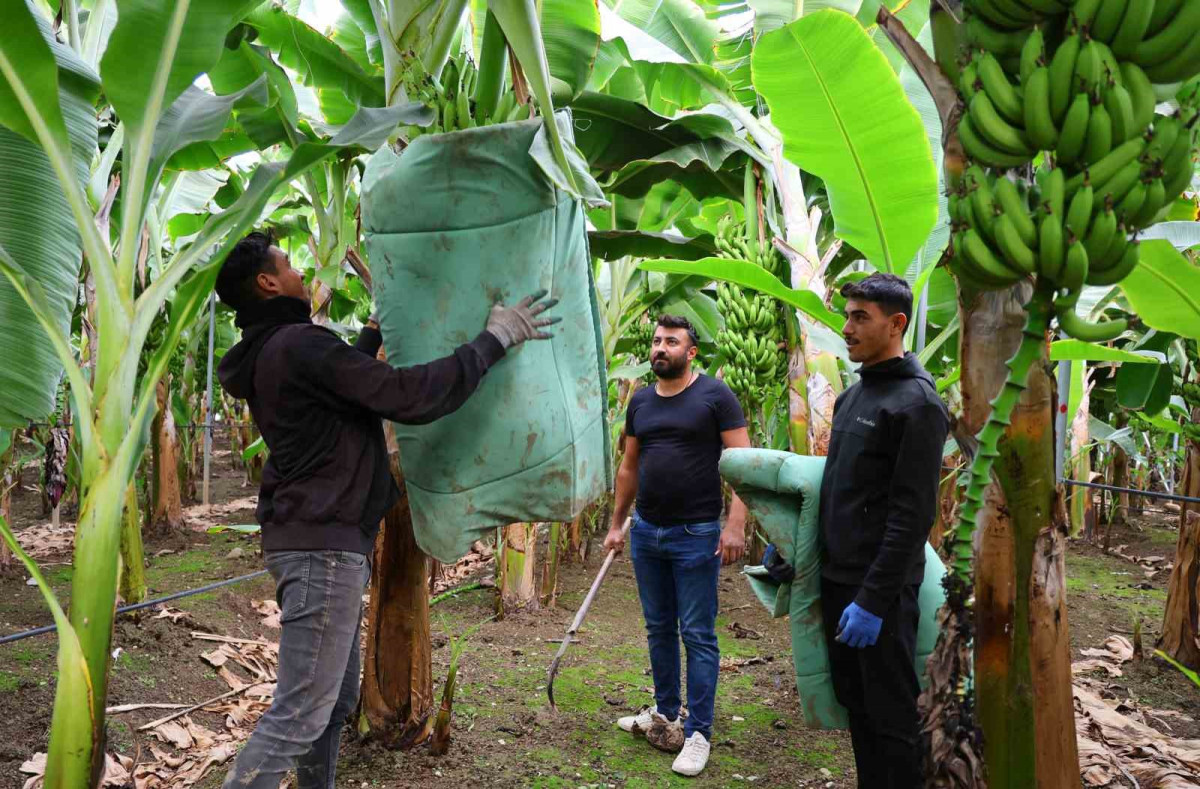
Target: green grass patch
[(1161, 536), (29, 653), (1116, 581), (734, 647), (820, 754), (9, 682)]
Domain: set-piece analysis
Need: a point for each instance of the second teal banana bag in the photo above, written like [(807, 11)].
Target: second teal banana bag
[(783, 491)]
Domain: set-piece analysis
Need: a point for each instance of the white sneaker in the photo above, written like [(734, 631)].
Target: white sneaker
[(641, 723), (694, 756)]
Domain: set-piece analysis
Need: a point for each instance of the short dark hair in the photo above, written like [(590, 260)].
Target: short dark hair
[(890, 292), (679, 322), (250, 257)]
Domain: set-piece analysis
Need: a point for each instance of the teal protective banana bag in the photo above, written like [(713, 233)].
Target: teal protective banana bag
[(783, 491), (454, 224)]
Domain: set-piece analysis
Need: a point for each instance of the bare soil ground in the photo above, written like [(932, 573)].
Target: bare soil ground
[(503, 734)]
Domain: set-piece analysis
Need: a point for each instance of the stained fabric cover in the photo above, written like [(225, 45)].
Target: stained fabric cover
[(783, 490), (454, 224)]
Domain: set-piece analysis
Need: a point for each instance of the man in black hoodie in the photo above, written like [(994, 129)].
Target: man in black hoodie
[(318, 403), (878, 498)]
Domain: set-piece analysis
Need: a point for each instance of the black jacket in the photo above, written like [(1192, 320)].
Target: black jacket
[(880, 488), (318, 403)]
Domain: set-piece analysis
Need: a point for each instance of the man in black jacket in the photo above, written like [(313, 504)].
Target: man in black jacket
[(318, 403), (878, 498)]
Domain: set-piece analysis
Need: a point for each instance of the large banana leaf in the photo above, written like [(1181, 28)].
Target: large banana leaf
[(36, 225), (680, 25), (1077, 350), (748, 275), (571, 35), (844, 117), (1164, 290), (615, 244), (342, 84), (635, 148), (149, 63)]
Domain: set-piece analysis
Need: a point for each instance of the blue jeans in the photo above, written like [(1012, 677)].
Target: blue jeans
[(677, 570), (320, 600)]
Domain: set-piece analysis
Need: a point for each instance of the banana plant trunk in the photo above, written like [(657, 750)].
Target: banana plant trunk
[(1022, 647), (396, 701), (550, 567), (1181, 624), (167, 513), (515, 564), (1120, 479), (8, 481), (1079, 507), (133, 562)]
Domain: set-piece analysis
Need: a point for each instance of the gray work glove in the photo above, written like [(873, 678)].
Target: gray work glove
[(514, 325)]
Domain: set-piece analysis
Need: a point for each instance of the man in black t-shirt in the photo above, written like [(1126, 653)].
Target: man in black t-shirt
[(674, 434)]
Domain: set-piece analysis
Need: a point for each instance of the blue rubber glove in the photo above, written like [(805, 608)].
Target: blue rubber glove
[(858, 627)]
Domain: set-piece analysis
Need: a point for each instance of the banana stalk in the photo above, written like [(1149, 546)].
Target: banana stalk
[(1040, 309), (492, 63)]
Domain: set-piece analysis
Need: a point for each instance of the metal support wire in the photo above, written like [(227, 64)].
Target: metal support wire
[(37, 631)]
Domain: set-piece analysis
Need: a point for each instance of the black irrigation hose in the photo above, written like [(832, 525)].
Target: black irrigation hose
[(1149, 494), (37, 631), (1146, 493)]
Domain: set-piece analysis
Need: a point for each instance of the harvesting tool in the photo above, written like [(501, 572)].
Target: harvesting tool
[(577, 622)]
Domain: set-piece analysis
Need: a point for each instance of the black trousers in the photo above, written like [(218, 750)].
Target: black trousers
[(878, 686)]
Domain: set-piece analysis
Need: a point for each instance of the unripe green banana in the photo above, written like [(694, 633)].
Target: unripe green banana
[(1083, 12), (1012, 205), (1062, 71), (1039, 122), (1074, 130), (1019, 256), (1133, 28), (1099, 139), (1108, 20), (983, 152), (1119, 105), (1050, 247), (1079, 214), (1074, 271), (1132, 203), (1054, 191), (1001, 93), (1086, 331), (1120, 271), (1033, 55), (1104, 227), (1156, 198), (995, 130), (1141, 91)]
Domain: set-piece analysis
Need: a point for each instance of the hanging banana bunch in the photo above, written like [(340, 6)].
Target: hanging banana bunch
[(752, 340), (450, 97), (1074, 81)]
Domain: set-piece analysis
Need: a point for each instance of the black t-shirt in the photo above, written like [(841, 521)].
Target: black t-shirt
[(679, 445)]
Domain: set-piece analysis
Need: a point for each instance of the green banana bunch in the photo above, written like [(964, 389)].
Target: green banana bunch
[(642, 336), (1190, 392), (450, 97), (1075, 79), (732, 243), (752, 340)]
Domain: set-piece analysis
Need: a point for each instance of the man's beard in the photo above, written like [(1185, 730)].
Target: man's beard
[(667, 369)]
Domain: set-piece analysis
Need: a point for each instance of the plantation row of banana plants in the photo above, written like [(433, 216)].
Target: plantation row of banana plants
[(741, 161)]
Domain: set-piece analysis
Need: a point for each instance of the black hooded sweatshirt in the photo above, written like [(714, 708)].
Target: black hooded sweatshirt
[(318, 403), (879, 492)]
